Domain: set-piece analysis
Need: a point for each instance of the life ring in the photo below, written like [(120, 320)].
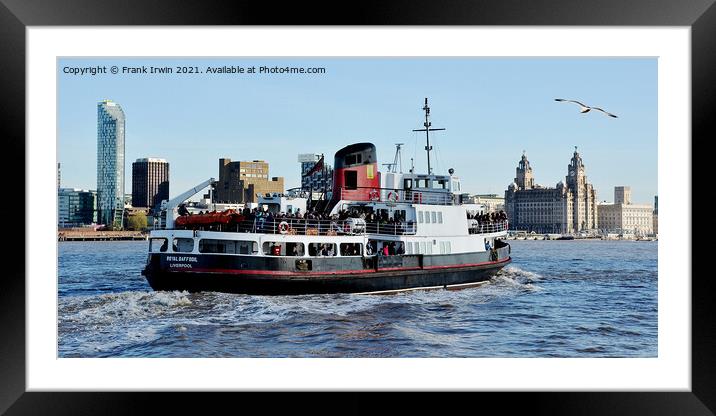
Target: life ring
[(374, 195), (283, 227), (393, 197)]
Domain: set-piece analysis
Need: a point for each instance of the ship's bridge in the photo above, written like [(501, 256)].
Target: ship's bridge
[(420, 188)]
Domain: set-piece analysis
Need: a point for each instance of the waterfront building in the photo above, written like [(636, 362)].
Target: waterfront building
[(150, 182), (656, 214), (239, 182), (492, 202), (110, 163), (622, 195), (568, 208), (76, 207), (319, 180), (623, 217)]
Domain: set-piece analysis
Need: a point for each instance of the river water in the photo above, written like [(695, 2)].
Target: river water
[(584, 298)]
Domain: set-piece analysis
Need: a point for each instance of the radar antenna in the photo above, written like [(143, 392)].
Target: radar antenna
[(427, 131)]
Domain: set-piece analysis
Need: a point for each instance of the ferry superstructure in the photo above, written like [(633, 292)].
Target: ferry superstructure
[(380, 232)]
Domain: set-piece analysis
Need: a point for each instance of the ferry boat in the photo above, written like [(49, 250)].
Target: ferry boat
[(379, 232)]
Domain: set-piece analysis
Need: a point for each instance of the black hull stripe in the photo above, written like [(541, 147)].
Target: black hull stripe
[(334, 273)]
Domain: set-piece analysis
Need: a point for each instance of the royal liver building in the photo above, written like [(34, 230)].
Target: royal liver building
[(564, 209)]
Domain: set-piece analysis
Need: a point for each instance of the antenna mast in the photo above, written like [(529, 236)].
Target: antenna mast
[(398, 157), (427, 131)]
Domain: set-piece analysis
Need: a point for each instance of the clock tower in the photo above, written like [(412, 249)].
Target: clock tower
[(584, 205), (575, 171), (523, 174)]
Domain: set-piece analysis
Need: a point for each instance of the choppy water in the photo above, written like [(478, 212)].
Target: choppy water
[(557, 299)]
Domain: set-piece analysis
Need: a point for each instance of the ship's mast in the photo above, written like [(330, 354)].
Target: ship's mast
[(392, 166), (427, 131)]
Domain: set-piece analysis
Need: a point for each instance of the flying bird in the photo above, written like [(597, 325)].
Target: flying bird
[(585, 108)]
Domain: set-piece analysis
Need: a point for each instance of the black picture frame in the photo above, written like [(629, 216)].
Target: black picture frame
[(16, 15)]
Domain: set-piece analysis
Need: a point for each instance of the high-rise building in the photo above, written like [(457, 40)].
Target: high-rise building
[(150, 182), (319, 180), (567, 208), (240, 182), (76, 207), (110, 163)]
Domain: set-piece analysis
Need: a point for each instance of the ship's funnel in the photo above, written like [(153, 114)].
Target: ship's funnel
[(355, 173)]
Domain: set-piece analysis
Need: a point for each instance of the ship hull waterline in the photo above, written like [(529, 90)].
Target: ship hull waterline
[(278, 282)]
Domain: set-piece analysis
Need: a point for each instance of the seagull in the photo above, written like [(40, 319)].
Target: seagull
[(585, 108)]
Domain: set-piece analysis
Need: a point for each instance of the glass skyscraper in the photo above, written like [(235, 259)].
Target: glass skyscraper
[(110, 163)]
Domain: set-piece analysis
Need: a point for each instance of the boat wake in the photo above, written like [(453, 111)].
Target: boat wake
[(514, 277), (100, 324), (114, 324)]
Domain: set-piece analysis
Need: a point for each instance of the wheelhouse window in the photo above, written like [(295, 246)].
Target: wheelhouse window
[(183, 245), (158, 245)]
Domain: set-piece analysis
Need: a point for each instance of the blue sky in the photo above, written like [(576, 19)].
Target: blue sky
[(492, 108)]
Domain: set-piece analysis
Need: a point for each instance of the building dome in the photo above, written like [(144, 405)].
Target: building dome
[(512, 186)]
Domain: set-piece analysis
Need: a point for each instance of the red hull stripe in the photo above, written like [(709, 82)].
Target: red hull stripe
[(286, 273)]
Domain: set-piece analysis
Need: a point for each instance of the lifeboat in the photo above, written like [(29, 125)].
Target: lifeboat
[(210, 218)]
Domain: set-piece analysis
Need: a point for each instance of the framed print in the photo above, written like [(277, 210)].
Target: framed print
[(613, 322)]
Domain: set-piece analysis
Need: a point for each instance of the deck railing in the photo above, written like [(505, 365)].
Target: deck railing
[(351, 226), (294, 226), (484, 228), (398, 195)]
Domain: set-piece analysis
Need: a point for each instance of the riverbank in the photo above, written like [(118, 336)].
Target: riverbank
[(542, 237), (89, 235)]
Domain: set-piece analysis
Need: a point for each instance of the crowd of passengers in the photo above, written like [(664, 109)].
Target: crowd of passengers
[(382, 217), (371, 217), (488, 218)]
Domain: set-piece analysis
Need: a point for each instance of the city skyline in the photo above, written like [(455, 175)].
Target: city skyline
[(493, 109)]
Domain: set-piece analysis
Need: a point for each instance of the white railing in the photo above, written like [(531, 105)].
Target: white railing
[(398, 195), (485, 228), (294, 226)]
